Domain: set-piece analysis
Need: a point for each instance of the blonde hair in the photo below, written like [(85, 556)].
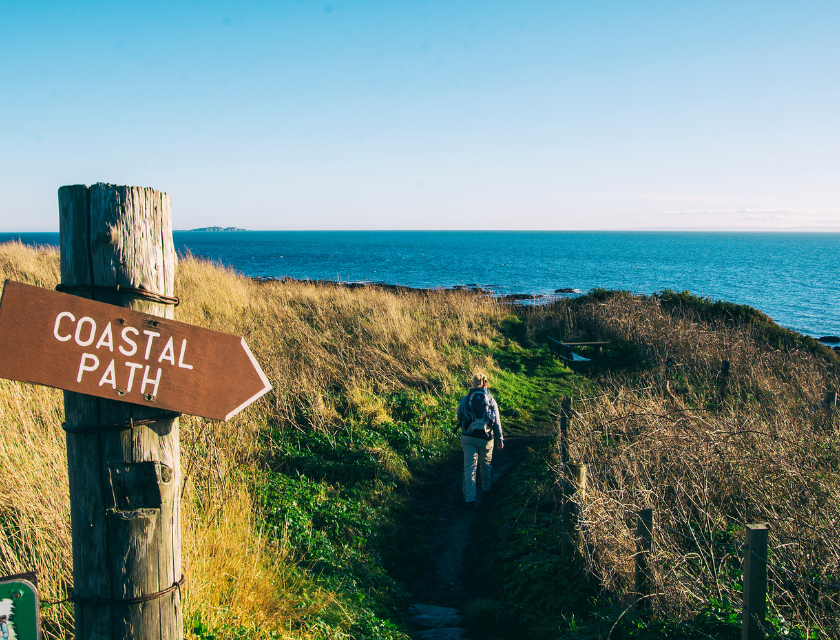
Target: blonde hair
[(479, 379)]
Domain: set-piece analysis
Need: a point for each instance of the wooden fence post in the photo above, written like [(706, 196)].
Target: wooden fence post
[(644, 544), (724, 378), (565, 418), (831, 398), (669, 364), (755, 582), (574, 492), (124, 481)]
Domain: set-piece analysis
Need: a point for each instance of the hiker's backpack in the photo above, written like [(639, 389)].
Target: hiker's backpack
[(479, 416)]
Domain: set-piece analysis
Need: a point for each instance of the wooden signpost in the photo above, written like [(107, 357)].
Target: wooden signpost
[(101, 350), (128, 369)]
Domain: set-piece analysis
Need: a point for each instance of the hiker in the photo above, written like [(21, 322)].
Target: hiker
[(478, 419)]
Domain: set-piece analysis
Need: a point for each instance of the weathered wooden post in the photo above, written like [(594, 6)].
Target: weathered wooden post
[(644, 544), (123, 459), (669, 366), (755, 582), (574, 492), (565, 418), (831, 398), (724, 378)]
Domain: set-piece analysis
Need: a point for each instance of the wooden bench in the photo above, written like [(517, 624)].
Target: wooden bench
[(595, 345), (565, 353)]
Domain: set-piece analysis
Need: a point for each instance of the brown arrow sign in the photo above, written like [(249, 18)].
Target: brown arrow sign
[(112, 352)]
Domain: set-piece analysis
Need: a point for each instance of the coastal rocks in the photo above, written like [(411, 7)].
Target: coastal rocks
[(830, 340), (474, 288), (516, 297), (566, 290)]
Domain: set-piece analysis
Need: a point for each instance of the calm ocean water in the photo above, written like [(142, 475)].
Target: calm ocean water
[(793, 277)]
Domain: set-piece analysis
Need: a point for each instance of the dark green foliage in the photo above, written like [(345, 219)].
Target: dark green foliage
[(709, 310), (601, 295), (228, 632), (523, 570), (765, 331), (513, 328)]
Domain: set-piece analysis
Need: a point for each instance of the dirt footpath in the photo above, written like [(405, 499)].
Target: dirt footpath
[(444, 583)]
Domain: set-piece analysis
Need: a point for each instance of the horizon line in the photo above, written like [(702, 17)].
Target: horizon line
[(821, 229)]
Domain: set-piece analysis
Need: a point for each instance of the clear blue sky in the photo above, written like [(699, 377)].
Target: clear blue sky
[(432, 114)]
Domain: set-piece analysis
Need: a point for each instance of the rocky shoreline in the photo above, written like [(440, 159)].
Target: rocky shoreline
[(482, 290), (833, 342)]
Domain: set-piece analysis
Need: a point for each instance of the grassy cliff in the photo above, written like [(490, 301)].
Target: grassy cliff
[(307, 515)]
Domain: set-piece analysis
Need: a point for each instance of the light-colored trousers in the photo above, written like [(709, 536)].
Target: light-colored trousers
[(476, 451)]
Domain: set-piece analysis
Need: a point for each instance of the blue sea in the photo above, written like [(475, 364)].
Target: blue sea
[(793, 277)]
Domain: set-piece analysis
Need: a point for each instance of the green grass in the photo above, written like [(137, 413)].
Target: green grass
[(357, 503), (528, 386), (524, 572)]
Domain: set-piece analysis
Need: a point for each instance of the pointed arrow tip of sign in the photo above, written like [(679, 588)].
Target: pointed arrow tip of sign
[(266, 384)]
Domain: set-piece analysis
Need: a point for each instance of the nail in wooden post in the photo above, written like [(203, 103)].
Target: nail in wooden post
[(755, 582), (644, 544), (574, 492), (565, 419), (124, 497)]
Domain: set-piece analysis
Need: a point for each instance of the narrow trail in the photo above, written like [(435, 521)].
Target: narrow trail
[(442, 591)]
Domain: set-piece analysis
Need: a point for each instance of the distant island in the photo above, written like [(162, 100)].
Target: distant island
[(219, 229)]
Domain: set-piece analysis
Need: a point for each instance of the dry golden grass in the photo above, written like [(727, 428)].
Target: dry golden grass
[(709, 454), (34, 500), (316, 343), (38, 266), (240, 578)]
